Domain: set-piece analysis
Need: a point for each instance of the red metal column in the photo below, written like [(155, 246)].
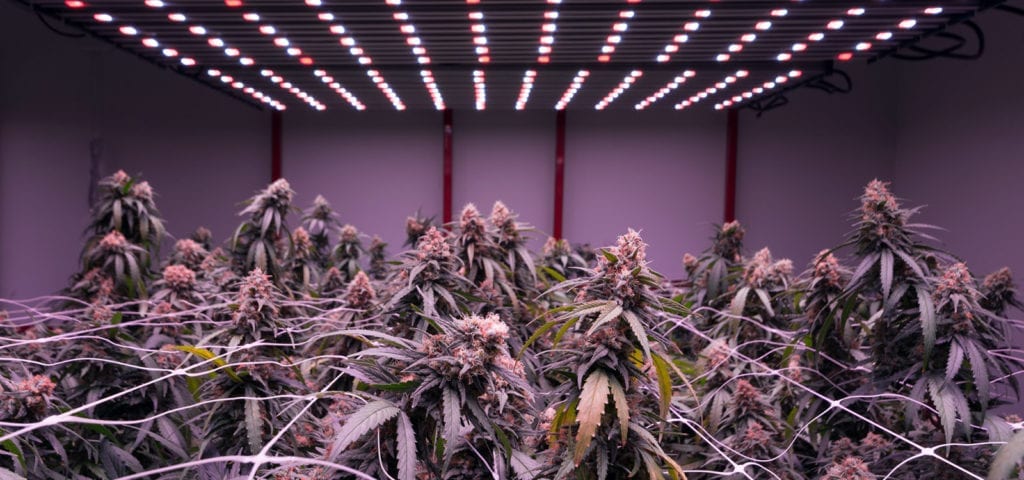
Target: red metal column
[(731, 139), (559, 172), (275, 145), (447, 216)]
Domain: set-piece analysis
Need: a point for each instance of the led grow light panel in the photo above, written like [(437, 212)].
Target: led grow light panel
[(504, 54)]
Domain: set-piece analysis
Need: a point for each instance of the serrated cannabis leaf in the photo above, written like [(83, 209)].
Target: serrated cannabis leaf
[(593, 398)]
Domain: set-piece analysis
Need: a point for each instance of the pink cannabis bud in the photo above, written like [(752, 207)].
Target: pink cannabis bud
[(179, 277), (999, 280), (120, 178), (433, 245), (189, 251), (826, 267), (689, 262), (349, 234), (631, 249), (301, 243), (754, 438), (489, 330), (114, 242), (878, 198), (850, 468), (762, 272), (332, 280), (956, 280), (202, 235), (142, 191), (729, 241), (255, 298), (414, 227), (281, 190), (555, 247), (874, 446), (471, 223), (360, 293), (30, 396), (881, 216), (746, 397), (501, 216)]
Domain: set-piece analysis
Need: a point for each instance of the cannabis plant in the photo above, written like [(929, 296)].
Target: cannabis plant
[(378, 259), (614, 357), (126, 205), (319, 221), (559, 262), (347, 252), (450, 406), (257, 242)]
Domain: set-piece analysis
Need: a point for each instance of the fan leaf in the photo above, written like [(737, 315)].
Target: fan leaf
[(593, 399), (370, 417)]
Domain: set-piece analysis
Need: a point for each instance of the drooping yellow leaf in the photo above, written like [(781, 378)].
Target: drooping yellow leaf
[(593, 399)]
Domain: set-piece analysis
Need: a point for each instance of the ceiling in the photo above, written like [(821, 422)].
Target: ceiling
[(506, 54)]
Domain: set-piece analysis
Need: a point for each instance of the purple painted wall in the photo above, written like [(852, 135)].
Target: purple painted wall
[(960, 147), (659, 172), (197, 147), (507, 156), (375, 168)]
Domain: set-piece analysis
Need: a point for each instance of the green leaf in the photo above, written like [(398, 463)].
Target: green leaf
[(396, 387), (533, 338), (406, 448), (553, 274), (593, 399), (370, 417), (621, 407), (661, 369), (609, 256), (563, 330), (12, 447), (210, 356)]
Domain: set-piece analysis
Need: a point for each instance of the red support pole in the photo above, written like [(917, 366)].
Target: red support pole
[(731, 139), (275, 145), (559, 172), (447, 216)]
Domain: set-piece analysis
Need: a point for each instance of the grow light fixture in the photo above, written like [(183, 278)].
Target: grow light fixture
[(575, 86), (525, 89), (620, 26), (677, 40), (624, 85), (673, 84), (714, 38), (548, 29), (480, 89), (479, 32)]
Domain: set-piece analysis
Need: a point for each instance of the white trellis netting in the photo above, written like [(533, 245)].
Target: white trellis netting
[(270, 462)]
